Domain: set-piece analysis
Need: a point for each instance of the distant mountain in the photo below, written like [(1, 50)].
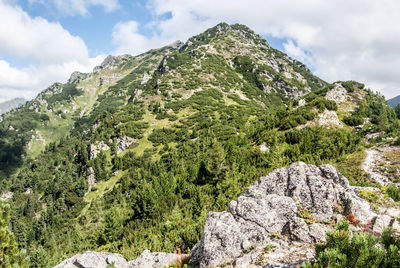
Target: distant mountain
[(11, 104), (394, 101)]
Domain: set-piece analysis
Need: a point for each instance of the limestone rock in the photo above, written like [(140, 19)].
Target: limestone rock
[(338, 94), (90, 259), (96, 148), (264, 147), (123, 143), (108, 62), (155, 260), (75, 78), (5, 196), (297, 203)]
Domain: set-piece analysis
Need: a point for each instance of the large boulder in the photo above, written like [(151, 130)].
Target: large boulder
[(90, 259), (277, 220), (156, 260)]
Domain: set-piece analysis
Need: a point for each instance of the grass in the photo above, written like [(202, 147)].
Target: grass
[(101, 188), (350, 167)]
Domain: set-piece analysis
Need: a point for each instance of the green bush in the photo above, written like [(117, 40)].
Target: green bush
[(353, 120), (360, 250), (393, 192)]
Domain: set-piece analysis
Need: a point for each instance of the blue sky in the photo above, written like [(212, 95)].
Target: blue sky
[(46, 40), (96, 27)]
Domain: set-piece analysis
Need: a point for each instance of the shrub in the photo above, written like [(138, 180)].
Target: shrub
[(353, 120), (360, 250), (393, 192)]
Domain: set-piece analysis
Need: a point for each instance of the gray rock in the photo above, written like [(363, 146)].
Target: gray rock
[(5, 196), (318, 232), (155, 260), (90, 259), (123, 143), (75, 78), (108, 62), (97, 147), (279, 203), (380, 223)]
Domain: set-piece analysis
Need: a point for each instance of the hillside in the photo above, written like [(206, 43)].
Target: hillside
[(11, 104), (134, 155)]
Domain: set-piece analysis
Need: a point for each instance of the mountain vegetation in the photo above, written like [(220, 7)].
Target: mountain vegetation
[(134, 155)]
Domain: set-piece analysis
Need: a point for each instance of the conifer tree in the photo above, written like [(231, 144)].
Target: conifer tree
[(10, 256)]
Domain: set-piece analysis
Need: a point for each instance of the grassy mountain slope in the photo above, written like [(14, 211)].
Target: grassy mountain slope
[(53, 113), (174, 133)]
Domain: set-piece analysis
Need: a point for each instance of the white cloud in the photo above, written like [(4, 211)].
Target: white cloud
[(128, 40), (78, 7), (342, 39), (50, 53), (28, 82), (36, 38)]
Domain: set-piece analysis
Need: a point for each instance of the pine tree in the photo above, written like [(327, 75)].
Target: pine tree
[(10, 256), (112, 226)]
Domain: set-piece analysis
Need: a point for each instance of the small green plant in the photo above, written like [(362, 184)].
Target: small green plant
[(112, 265), (268, 248), (306, 214), (275, 235), (372, 197), (393, 192)]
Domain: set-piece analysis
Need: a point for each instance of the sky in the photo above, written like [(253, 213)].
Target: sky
[(44, 41)]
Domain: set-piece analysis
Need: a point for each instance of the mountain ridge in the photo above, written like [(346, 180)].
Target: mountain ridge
[(7, 106), (134, 155), (394, 101)]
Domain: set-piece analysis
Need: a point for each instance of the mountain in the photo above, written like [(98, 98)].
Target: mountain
[(394, 101), (134, 155), (11, 104)]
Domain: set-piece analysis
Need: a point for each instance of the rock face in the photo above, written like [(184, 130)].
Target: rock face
[(155, 260), (97, 147), (75, 78), (90, 259), (329, 119), (338, 94), (278, 218), (123, 143)]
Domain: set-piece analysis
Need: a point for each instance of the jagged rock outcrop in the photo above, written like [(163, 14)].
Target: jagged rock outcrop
[(155, 260), (109, 61), (97, 147), (90, 259), (123, 143), (75, 77), (279, 218), (337, 94)]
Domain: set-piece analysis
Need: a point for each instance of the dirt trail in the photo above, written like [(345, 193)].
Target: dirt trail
[(374, 156)]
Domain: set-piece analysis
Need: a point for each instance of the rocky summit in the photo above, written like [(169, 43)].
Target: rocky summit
[(274, 223)]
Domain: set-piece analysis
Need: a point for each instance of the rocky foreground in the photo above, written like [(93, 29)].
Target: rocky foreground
[(274, 223)]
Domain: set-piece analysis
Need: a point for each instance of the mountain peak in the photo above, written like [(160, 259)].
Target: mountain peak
[(237, 33)]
